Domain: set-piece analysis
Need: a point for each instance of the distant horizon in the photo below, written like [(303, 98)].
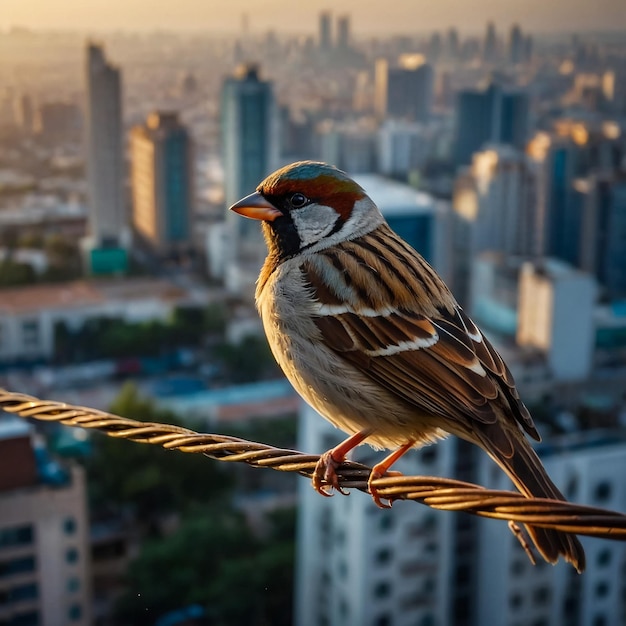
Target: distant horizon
[(397, 17)]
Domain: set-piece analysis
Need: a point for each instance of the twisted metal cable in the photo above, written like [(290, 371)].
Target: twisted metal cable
[(439, 493)]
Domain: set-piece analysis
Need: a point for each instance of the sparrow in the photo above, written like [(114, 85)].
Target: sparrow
[(372, 338)]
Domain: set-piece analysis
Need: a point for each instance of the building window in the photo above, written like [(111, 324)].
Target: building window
[(383, 556), (386, 522), (73, 584), (603, 490), (383, 620), (604, 557), (24, 592), (516, 600), (75, 612), (16, 536), (599, 620), (71, 556), (382, 590), (69, 526), (429, 455), (17, 566), (542, 596), (25, 619), (602, 589), (30, 333), (427, 620)]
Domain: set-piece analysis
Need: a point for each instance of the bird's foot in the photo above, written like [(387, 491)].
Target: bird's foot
[(382, 469), (375, 474), (325, 474)]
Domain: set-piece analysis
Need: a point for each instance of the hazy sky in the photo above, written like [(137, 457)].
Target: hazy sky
[(368, 16)]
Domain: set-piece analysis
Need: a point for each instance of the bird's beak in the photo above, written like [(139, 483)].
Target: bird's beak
[(256, 207)]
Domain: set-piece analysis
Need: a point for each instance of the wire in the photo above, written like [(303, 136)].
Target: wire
[(439, 493)]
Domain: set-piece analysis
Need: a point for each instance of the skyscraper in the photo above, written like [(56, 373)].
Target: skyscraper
[(162, 187), (603, 247), (343, 32), (250, 152), (105, 164), (516, 45), (405, 92), (325, 35), (248, 121), (490, 44), (492, 115)]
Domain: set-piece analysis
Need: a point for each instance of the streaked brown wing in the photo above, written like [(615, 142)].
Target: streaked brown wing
[(443, 366)]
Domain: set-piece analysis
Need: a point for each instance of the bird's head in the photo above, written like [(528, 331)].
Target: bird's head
[(309, 206)]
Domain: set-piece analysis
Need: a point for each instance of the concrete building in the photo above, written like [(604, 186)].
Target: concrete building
[(556, 303), (406, 90), (498, 194), (162, 183), (44, 550), (349, 145), (403, 146), (358, 565), (588, 467), (492, 115), (325, 41), (105, 152), (250, 146), (29, 315), (603, 247)]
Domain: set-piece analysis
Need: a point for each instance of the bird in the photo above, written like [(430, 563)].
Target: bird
[(372, 338)]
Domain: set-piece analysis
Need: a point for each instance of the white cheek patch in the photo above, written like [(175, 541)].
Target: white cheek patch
[(313, 222)]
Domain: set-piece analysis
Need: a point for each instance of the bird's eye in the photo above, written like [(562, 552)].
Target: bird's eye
[(298, 200)]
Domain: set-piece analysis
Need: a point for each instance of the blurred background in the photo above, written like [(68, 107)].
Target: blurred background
[(493, 138)]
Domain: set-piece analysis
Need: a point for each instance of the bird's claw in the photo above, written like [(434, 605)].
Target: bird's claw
[(325, 475), (375, 474)]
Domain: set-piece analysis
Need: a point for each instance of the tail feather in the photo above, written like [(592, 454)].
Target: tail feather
[(528, 474)]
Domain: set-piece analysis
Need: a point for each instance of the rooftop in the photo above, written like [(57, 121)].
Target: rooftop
[(84, 293), (394, 198)]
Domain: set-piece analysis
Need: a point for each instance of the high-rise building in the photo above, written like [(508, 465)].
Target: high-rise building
[(162, 186), (516, 45), (403, 147), (105, 155), (493, 115), (502, 183), (495, 202), (406, 91), (603, 247), (325, 31), (556, 303), (250, 144), (44, 534), (453, 45), (490, 44), (349, 145), (357, 565), (343, 33), (248, 121)]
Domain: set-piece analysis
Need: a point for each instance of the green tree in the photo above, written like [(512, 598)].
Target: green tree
[(214, 560), (146, 479), (16, 274), (249, 360)]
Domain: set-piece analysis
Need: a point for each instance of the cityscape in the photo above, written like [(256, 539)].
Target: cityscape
[(126, 286)]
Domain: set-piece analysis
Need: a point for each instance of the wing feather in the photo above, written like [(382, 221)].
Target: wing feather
[(441, 364)]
